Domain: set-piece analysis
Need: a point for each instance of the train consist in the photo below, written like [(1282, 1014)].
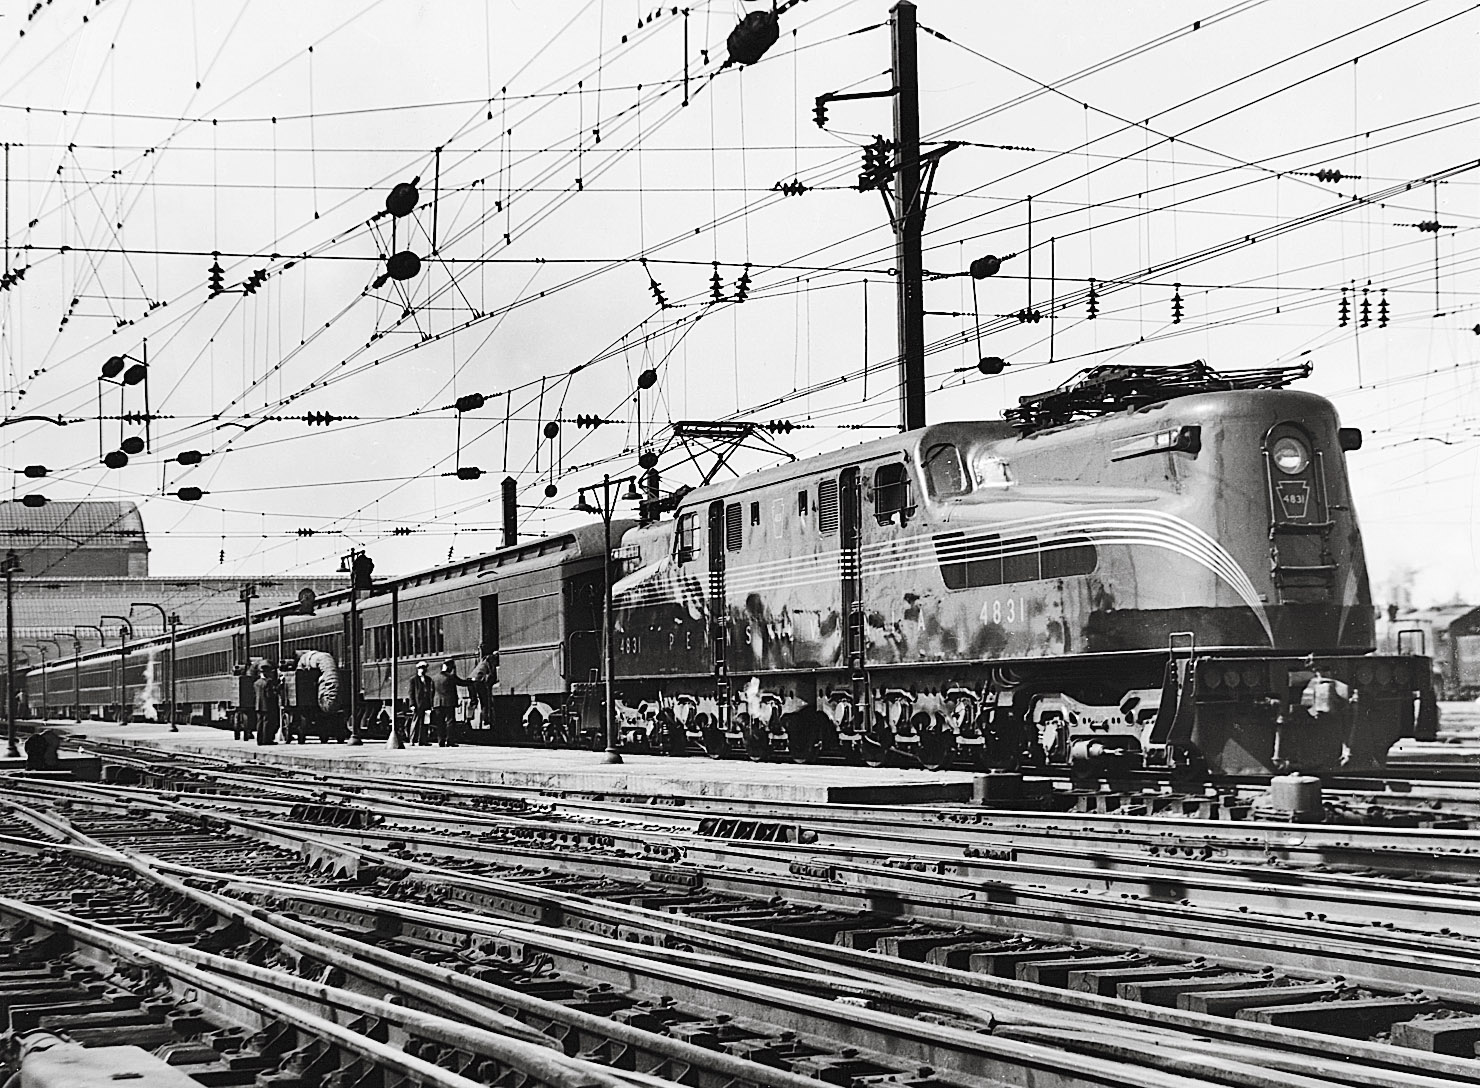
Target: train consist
[(1146, 568)]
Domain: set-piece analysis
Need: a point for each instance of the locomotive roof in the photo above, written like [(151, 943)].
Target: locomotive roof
[(907, 442)]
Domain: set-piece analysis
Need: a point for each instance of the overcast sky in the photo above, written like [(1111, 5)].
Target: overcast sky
[(147, 136)]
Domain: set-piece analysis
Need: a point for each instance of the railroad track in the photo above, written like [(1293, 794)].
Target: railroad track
[(592, 1004), (1042, 950)]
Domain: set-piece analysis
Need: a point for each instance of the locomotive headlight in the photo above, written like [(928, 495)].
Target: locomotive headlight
[(1290, 455)]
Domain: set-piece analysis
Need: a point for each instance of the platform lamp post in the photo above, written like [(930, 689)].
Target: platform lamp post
[(360, 568), (11, 567), (125, 632), (164, 622), (174, 619), (102, 639), (44, 680), (604, 506), (76, 672), (42, 651)]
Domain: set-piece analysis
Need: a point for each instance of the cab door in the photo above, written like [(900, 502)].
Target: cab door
[(719, 613)]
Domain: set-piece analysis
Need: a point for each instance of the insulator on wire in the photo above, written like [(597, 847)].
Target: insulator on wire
[(819, 112), (755, 33), (584, 421), (986, 267), (1382, 309), (991, 364), (402, 199), (1094, 302), (780, 426), (658, 296), (470, 402), (1331, 175), (716, 293), (1366, 309), (35, 472), (742, 285), (1176, 304), (647, 379), (552, 429), (1344, 314)]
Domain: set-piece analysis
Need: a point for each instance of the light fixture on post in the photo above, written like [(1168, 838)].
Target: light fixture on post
[(125, 632), (604, 505), (11, 567), (164, 622), (45, 685), (361, 569), (76, 675), (174, 636), (42, 651)]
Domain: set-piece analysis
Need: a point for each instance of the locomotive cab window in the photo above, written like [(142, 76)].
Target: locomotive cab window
[(891, 494), (945, 475), (686, 537)]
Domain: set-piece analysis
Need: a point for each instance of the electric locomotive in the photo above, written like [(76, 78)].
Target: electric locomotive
[(1145, 568)]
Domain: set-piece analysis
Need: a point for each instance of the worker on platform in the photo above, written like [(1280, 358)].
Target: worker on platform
[(306, 702), (444, 702), (245, 719), (287, 699), (484, 679), (265, 692), (421, 694)]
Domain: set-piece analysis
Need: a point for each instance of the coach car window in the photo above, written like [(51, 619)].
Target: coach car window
[(827, 506), (892, 494), (733, 528), (944, 473), (687, 536)]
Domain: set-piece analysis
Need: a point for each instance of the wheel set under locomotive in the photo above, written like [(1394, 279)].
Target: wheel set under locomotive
[(1147, 568)]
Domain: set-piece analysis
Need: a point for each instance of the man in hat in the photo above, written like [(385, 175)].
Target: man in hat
[(244, 721), (266, 699), (420, 695), (444, 701)]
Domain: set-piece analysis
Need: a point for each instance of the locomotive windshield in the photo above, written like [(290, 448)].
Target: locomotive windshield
[(945, 474)]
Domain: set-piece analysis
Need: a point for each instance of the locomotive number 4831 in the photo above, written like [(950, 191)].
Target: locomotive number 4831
[(1004, 610)]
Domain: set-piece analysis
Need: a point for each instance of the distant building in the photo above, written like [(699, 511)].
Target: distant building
[(81, 561), (87, 539)]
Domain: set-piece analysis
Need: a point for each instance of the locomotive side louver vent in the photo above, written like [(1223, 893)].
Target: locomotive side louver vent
[(732, 527), (827, 506)]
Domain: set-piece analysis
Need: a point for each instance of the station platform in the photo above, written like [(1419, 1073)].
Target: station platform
[(539, 768)]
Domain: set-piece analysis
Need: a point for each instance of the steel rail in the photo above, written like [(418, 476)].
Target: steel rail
[(662, 925), (450, 919)]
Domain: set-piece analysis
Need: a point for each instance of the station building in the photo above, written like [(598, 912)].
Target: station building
[(86, 560)]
